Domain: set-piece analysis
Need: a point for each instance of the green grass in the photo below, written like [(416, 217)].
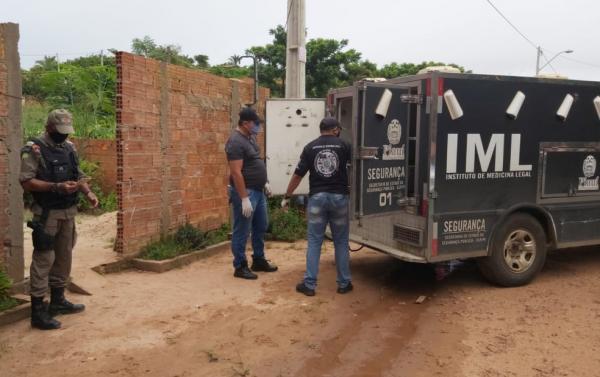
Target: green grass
[(34, 115), (187, 239), (34, 119), (7, 303), (286, 226)]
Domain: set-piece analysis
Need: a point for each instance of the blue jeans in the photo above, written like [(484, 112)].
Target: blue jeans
[(242, 225), (327, 208)]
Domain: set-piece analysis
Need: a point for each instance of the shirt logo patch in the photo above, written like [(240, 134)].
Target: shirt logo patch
[(327, 163)]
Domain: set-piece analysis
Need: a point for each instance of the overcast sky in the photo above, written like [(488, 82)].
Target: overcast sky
[(465, 32)]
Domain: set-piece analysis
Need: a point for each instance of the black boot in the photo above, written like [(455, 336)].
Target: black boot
[(40, 319), (60, 305), (261, 264), (244, 272)]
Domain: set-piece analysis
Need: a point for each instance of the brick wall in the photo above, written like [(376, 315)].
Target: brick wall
[(11, 195), (3, 152), (103, 153), (172, 124)]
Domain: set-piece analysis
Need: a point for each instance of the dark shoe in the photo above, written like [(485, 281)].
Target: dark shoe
[(304, 289), (245, 273), (346, 289), (60, 305), (261, 264), (40, 319)]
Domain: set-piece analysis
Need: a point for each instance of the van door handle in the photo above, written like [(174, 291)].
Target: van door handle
[(369, 153)]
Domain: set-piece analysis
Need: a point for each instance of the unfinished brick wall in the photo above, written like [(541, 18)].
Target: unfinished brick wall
[(172, 124), (104, 153), (11, 195)]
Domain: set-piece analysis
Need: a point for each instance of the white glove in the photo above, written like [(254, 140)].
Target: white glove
[(246, 207), (284, 203), (268, 191)]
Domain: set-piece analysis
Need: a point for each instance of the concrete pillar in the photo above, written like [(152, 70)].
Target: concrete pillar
[(11, 139), (295, 61)]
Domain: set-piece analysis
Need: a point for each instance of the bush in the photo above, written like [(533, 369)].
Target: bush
[(190, 237), (288, 225), (6, 302), (221, 234), (108, 201), (186, 239)]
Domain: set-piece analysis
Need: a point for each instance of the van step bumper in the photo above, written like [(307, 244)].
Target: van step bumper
[(402, 255)]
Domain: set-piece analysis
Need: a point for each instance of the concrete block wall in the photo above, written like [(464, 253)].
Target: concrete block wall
[(11, 194), (172, 124)]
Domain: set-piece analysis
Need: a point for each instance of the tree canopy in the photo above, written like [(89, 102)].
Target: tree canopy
[(86, 85)]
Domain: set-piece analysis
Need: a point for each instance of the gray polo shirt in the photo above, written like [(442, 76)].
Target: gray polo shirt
[(254, 171)]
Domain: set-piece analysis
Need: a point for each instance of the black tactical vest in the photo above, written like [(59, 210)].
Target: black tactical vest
[(61, 165)]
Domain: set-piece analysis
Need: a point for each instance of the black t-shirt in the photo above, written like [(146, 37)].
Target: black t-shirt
[(326, 158), (240, 147)]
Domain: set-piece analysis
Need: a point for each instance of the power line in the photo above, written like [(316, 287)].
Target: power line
[(512, 25), (534, 45)]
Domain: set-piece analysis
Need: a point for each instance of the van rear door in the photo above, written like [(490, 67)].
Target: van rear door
[(383, 171)]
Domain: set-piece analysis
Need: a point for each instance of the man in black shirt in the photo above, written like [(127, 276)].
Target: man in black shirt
[(326, 158), (247, 187)]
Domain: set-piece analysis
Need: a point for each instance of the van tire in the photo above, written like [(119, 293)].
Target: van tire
[(517, 252)]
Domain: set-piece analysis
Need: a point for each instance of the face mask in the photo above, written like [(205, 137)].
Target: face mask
[(58, 138), (255, 128)]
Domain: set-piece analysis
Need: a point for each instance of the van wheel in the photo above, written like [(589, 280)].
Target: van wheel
[(517, 252)]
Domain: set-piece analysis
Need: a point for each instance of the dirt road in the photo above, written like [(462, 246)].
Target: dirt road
[(200, 321)]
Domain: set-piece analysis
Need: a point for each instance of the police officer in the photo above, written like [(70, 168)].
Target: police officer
[(50, 171)]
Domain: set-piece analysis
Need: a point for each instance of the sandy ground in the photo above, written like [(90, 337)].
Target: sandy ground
[(200, 321)]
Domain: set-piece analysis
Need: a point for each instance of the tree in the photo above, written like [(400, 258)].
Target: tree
[(271, 69), (166, 53), (201, 61), (328, 65), (235, 60)]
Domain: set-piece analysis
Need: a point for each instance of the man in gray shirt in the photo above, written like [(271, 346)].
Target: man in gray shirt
[(247, 187)]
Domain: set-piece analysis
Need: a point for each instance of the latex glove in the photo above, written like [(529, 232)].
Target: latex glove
[(268, 191), (246, 207), (284, 203)]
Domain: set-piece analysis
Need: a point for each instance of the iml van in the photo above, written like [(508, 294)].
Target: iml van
[(453, 166)]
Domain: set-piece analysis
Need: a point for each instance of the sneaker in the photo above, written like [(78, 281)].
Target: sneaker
[(345, 289), (261, 264), (244, 272), (304, 289)]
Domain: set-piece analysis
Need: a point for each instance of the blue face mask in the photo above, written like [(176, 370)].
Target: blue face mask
[(255, 128)]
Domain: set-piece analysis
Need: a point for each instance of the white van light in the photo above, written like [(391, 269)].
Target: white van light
[(597, 105), (453, 106), (515, 105), (565, 107), (384, 104)]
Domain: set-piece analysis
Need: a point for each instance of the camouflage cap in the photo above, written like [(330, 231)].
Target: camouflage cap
[(62, 120)]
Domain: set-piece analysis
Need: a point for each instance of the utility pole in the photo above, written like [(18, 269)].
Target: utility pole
[(295, 60), (57, 63), (101, 58)]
